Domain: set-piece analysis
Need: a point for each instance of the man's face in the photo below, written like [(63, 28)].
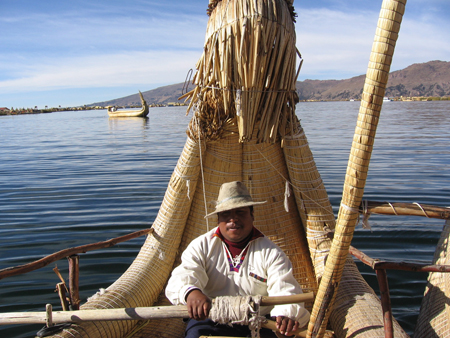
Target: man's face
[(236, 224)]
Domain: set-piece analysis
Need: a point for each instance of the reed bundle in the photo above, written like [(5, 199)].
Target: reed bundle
[(375, 84), (434, 316), (247, 71)]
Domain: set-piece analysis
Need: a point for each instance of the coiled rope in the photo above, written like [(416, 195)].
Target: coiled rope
[(242, 310)]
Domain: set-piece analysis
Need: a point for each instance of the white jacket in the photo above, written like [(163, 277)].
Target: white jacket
[(265, 270)]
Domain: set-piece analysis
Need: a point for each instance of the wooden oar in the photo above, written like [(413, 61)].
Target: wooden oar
[(138, 313)]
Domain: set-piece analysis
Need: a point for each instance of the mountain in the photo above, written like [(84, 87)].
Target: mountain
[(430, 79), (158, 96)]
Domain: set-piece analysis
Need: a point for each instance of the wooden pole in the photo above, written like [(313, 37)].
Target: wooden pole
[(48, 315), (138, 313), (18, 270), (61, 289), (405, 209), (385, 303), (74, 274)]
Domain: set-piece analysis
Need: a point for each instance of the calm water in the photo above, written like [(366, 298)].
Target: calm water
[(74, 178)]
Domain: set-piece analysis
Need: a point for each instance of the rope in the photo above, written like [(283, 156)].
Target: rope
[(366, 215), (393, 209), (316, 234), (365, 223), (346, 207), (423, 210), (201, 168), (238, 310), (287, 181)]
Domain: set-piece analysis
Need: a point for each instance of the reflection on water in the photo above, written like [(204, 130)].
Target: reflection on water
[(73, 178), (116, 123)]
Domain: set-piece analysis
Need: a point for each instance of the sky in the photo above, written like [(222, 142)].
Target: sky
[(70, 53)]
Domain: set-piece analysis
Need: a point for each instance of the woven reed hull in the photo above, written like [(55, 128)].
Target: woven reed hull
[(129, 113), (265, 169), (242, 55), (434, 316)]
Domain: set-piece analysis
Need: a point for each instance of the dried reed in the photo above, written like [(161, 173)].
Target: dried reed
[(247, 72)]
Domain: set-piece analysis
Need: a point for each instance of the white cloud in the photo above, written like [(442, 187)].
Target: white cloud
[(77, 52), (337, 45), (113, 70), (111, 47), (334, 44), (41, 32), (421, 40)]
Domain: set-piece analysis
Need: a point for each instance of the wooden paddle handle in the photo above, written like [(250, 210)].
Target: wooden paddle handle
[(292, 299), (138, 313)]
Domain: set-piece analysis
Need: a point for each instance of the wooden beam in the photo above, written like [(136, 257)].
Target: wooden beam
[(415, 267), (405, 209), (17, 270), (376, 264)]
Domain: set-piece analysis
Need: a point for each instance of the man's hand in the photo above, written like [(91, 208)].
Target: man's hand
[(286, 325), (198, 305)]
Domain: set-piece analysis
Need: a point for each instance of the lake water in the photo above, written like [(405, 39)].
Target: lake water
[(74, 178)]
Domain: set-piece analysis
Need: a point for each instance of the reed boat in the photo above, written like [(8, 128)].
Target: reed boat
[(143, 112), (244, 127)]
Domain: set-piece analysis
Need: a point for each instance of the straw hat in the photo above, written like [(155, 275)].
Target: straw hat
[(233, 195)]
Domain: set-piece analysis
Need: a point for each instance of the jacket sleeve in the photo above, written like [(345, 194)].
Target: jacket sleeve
[(189, 275), (281, 282)]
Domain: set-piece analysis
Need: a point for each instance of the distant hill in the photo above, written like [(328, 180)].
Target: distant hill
[(430, 79), (421, 79), (161, 95)]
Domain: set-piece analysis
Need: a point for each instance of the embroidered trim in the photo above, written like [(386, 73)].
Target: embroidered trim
[(261, 279), (235, 268), (238, 266)]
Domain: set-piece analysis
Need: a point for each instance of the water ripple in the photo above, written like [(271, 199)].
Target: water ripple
[(74, 178)]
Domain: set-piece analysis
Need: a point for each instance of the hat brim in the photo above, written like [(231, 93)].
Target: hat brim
[(231, 206)]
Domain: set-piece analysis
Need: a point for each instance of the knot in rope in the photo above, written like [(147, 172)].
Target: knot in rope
[(242, 310)]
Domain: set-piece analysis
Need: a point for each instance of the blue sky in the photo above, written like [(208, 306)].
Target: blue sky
[(77, 52)]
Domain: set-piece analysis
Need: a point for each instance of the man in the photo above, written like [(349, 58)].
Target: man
[(234, 259)]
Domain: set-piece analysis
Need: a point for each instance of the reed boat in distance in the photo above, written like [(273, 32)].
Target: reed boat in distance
[(143, 112), (244, 127)]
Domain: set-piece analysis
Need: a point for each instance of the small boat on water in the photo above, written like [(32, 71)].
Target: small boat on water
[(143, 112), (244, 127)]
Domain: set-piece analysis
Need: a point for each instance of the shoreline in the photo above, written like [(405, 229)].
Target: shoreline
[(30, 111)]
